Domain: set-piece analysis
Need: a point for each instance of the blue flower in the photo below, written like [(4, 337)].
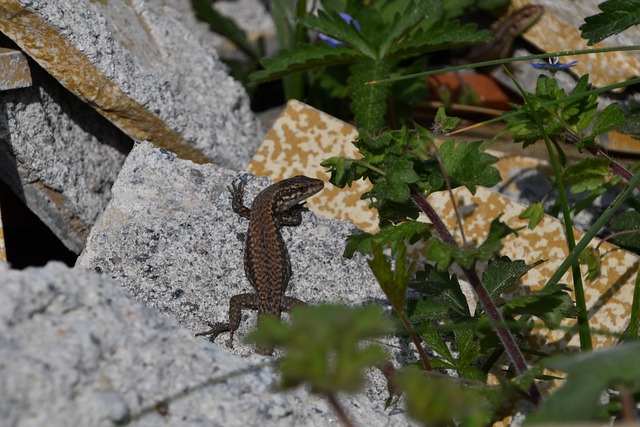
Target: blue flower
[(553, 65), (333, 42)]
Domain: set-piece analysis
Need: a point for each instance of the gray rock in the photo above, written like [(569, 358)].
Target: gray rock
[(75, 349), (170, 237), (61, 157), (142, 46)]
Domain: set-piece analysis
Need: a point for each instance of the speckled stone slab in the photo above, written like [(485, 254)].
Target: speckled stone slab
[(14, 69), (139, 66), (3, 250), (558, 30), (302, 137)]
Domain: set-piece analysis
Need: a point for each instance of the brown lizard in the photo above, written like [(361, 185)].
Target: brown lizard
[(504, 33), (266, 259)]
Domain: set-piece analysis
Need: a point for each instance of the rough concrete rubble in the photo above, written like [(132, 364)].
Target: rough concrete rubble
[(61, 157), (76, 350)]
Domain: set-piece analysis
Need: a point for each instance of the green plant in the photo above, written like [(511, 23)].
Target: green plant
[(405, 165)]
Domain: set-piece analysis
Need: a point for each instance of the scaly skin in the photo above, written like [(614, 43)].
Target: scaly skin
[(266, 259)]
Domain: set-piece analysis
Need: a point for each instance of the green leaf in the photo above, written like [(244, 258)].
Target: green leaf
[(343, 171), (305, 57), (589, 375), (424, 311), (441, 287), (592, 257), (616, 16), (444, 254), (432, 337), (404, 21), (549, 304), (627, 221), (468, 165), (469, 351), (323, 345), (224, 26), (502, 273), (436, 401), (535, 213), (586, 175), (392, 281), (443, 123), (439, 37), (609, 119), (332, 25), (492, 244), (369, 101), (395, 235)]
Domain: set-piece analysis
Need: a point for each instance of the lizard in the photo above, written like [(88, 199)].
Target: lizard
[(267, 264), (505, 32)]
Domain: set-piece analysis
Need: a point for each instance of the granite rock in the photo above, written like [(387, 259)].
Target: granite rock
[(75, 349)]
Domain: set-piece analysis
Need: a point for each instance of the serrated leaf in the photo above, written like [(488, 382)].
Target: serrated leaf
[(535, 213), (610, 118), (616, 16), (323, 345), (549, 304), (440, 253), (440, 37), (332, 25), (444, 254), (435, 401), (627, 221), (392, 281), (443, 123), (586, 175), (425, 311), (589, 375), (395, 235), (468, 165), (432, 337), (305, 57), (592, 257), (441, 287), (502, 273), (493, 243), (404, 21), (343, 171), (369, 102)]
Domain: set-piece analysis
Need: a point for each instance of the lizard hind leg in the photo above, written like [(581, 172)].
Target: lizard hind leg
[(237, 303)]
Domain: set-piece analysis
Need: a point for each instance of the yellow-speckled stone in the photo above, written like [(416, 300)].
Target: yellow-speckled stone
[(75, 72), (302, 137)]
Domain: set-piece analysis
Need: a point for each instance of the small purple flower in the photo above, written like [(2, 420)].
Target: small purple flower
[(333, 42), (553, 65)]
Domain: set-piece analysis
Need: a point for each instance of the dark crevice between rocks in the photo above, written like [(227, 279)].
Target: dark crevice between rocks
[(28, 241)]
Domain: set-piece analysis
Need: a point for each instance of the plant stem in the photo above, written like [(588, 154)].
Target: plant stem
[(506, 61), (635, 309), (337, 407), (567, 99), (494, 315), (589, 235), (416, 341), (578, 288)]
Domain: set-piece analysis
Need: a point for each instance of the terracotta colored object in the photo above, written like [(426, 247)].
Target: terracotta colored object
[(489, 93), (302, 137)]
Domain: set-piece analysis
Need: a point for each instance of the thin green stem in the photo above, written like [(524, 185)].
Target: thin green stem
[(296, 80), (635, 310), (578, 288), (506, 61), (589, 235), (554, 102)]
